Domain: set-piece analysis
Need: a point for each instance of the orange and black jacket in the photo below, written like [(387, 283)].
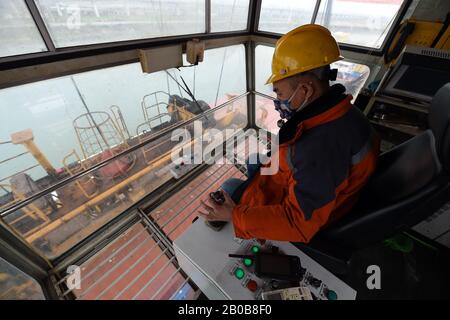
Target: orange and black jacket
[(327, 152)]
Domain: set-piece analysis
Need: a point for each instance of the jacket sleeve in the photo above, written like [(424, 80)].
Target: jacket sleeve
[(311, 197)]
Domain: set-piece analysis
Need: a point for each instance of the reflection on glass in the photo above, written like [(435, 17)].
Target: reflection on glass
[(266, 115), (61, 127), (352, 75), (263, 59), (283, 16), (16, 285), (18, 32), (78, 22), (359, 22), (229, 15)]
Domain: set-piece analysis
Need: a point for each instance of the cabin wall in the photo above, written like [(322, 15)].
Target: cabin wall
[(431, 10)]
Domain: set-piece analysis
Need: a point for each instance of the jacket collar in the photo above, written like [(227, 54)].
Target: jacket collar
[(330, 106)]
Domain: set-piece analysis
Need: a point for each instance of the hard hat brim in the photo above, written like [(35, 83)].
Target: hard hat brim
[(277, 77)]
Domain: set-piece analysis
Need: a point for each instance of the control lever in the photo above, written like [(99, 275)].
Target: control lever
[(219, 198)]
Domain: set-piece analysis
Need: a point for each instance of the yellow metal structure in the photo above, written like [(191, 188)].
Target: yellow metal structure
[(30, 211), (423, 35), (181, 113), (231, 112), (164, 158), (25, 138), (302, 49), (444, 41), (87, 184)]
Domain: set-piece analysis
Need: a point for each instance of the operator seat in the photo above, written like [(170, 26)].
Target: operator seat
[(410, 183)]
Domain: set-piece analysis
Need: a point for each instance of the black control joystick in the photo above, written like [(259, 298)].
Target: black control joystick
[(280, 123), (219, 198)]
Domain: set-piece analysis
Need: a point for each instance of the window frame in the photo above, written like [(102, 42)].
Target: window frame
[(36, 14), (17, 253), (39, 29), (56, 54), (345, 46)]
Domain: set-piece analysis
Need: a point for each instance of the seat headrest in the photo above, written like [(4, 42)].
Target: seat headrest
[(439, 122)]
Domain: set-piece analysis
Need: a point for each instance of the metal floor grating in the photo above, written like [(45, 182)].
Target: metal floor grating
[(136, 265)]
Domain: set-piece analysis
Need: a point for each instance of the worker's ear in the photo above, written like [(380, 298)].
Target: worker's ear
[(308, 90)]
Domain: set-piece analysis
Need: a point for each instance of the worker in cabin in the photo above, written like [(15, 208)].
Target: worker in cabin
[(327, 149)]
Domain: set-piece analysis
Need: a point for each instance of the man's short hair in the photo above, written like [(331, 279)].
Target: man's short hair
[(323, 74)]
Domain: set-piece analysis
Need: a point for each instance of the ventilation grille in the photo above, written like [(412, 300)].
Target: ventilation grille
[(436, 53)]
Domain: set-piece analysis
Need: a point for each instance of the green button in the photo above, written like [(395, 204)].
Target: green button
[(239, 273), (248, 262), (255, 249), (331, 295)]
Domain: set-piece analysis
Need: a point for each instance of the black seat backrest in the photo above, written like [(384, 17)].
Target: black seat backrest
[(409, 184), (411, 166), (401, 172), (439, 122)]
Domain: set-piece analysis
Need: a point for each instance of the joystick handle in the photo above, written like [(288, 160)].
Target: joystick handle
[(217, 197)]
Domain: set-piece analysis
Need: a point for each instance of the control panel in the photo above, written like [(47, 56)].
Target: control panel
[(396, 122), (204, 255)]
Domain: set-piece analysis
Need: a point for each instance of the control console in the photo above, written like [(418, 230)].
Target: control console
[(204, 255)]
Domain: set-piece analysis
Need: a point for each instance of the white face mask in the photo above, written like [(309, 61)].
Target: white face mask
[(284, 106), (304, 104)]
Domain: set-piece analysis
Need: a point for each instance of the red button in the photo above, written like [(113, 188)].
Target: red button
[(252, 285)]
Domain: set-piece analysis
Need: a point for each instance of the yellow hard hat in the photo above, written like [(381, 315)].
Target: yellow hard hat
[(305, 48)]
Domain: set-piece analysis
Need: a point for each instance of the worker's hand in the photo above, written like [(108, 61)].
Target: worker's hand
[(212, 211)]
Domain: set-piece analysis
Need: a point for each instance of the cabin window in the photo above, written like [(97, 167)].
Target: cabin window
[(229, 15), (363, 23), (77, 22), (18, 33), (16, 285), (282, 16), (80, 120)]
